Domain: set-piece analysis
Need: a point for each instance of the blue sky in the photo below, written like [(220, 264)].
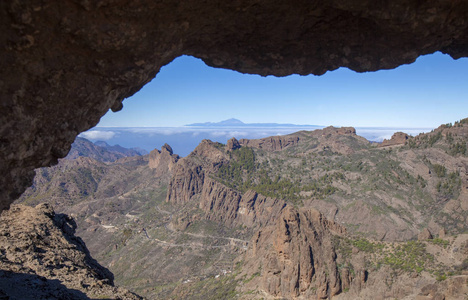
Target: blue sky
[(427, 93)]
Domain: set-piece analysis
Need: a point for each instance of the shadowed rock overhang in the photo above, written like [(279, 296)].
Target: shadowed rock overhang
[(65, 63)]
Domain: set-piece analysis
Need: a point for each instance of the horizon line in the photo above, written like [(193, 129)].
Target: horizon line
[(244, 126)]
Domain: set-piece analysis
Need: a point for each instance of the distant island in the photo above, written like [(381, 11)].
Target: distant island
[(238, 123)]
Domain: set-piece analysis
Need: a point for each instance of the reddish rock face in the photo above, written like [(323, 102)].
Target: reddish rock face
[(64, 64), (296, 256)]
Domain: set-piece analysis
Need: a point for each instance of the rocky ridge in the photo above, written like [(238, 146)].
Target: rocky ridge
[(274, 143), (100, 151), (398, 138), (279, 143), (188, 174), (41, 258)]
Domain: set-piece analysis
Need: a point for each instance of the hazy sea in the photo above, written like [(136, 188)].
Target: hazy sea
[(184, 139)]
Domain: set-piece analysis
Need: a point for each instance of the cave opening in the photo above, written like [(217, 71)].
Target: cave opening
[(412, 98)]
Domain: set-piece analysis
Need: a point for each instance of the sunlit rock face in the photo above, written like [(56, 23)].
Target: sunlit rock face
[(65, 63)]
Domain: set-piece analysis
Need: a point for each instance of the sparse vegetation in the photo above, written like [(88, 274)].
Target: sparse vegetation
[(243, 172), (449, 187), (126, 235), (458, 148), (367, 246), (410, 256), (219, 146), (239, 169), (256, 274), (223, 287), (461, 122), (434, 138), (439, 170), (439, 241)]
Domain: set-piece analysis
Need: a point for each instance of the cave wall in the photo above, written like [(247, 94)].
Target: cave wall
[(63, 64)]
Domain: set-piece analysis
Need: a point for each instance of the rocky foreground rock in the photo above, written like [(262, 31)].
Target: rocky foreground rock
[(41, 258)]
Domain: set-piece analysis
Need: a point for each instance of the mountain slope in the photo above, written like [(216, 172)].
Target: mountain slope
[(100, 151)]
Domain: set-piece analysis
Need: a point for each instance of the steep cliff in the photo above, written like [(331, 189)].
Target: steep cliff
[(233, 208), (189, 173), (385, 194), (295, 257)]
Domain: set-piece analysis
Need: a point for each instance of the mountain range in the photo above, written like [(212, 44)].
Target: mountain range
[(100, 150), (309, 215), (237, 123)]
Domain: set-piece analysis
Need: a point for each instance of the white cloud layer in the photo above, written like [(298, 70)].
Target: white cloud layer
[(98, 135), (218, 133)]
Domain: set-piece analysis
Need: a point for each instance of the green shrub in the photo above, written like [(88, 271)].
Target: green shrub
[(440, 242), (441, 277), (439, 170), (458, 148), (367, 246)]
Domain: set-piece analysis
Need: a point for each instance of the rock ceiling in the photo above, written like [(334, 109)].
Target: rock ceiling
[(65, 63)]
